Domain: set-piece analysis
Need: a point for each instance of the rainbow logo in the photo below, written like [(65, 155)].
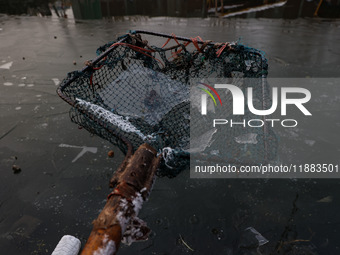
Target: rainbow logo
[(209, 93)]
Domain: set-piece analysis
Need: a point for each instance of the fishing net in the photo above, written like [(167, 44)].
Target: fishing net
[(137, 92)]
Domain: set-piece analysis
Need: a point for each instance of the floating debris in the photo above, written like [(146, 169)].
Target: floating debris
[(110, 154), (327, 199), (36, 108), (16, 169), (218, 233), (42, 126), (214, 231), (185, 244), (8, 83)]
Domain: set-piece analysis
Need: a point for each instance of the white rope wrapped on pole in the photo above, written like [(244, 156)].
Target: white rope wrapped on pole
[(68, 245)]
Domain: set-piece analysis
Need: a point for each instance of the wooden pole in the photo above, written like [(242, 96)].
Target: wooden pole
[(216, 7), (317, 9), (132, 184)]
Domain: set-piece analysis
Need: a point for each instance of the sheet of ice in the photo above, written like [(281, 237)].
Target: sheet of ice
[(200, 143), (56, 81), (36, 108), (84, 149), (7, 65), (249, 138), (260, 238), (310, 142)]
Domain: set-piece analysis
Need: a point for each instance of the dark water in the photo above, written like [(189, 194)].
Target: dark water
[(52, 196)]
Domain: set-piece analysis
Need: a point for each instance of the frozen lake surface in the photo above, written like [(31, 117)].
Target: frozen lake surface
[(65, 172)]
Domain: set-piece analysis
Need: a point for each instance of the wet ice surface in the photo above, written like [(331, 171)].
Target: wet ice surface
[(52, 196)]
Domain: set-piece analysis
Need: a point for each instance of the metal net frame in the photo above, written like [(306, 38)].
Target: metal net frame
[(135, 92)]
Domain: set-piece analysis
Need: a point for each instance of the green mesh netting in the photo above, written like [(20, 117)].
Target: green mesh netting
[(139, 91)]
